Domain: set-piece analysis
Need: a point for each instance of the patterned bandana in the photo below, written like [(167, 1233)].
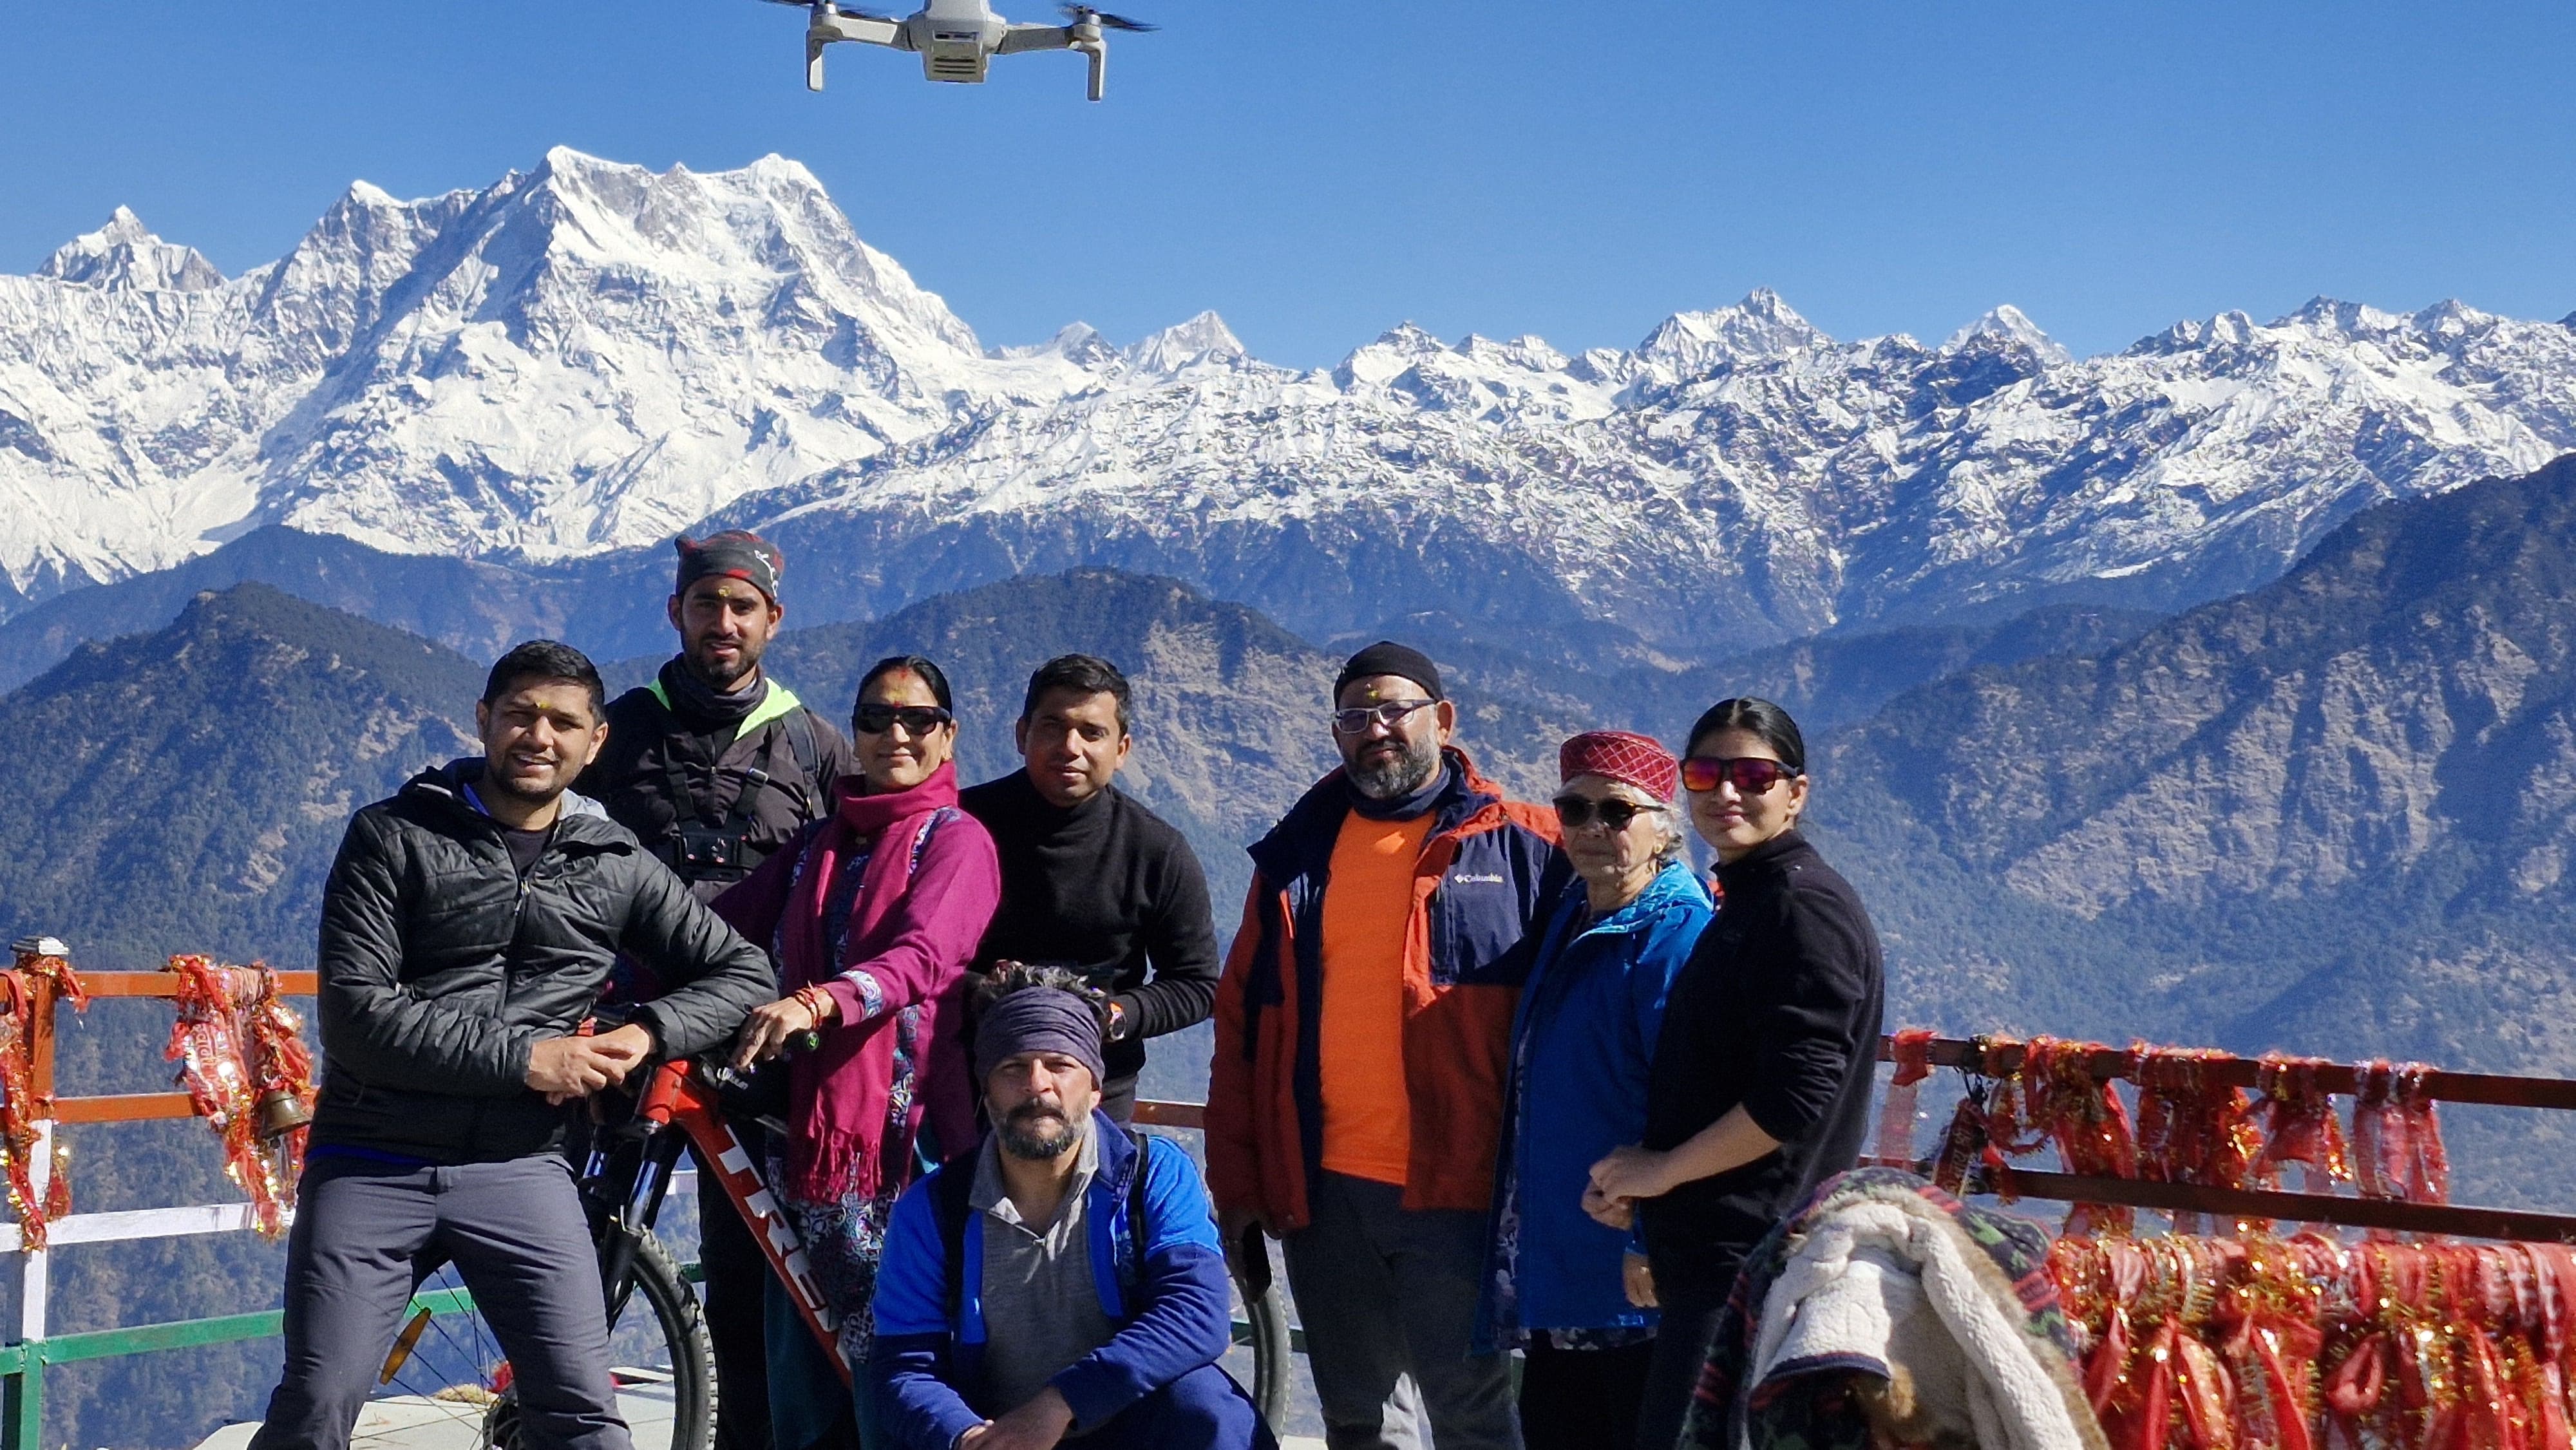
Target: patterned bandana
[(734, 554)]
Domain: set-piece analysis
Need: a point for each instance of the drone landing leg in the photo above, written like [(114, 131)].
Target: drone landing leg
[(813, 64), (1099, 70)]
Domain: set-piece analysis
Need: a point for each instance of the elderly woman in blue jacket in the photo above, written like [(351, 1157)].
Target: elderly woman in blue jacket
[(1574, 1293)]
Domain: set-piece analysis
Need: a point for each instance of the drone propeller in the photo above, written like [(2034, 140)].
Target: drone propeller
[(1078, 13), (861, 11)]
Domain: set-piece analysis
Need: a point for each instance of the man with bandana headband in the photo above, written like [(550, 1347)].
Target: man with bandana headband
[(1062, 1281), (713, 766)]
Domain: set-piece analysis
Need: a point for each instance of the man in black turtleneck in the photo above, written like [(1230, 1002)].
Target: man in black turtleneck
[(714, 766), (1092, 880)]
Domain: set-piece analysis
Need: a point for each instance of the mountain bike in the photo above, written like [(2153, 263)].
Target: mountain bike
[(450, 1365)]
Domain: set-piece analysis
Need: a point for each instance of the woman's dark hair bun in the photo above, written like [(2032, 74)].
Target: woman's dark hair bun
[(1760, 718)]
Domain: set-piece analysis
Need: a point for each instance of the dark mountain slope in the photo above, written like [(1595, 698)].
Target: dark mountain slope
[(1827, 682), (611, 605), (2332, 815), (184, 790), (1229, 708)]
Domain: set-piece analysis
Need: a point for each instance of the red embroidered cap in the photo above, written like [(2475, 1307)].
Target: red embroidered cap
[(1636, 760)]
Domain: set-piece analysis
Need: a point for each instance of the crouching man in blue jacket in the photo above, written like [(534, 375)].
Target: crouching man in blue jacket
[(1064, 1282)]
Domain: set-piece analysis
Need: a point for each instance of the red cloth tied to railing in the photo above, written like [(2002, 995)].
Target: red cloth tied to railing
[(247, 1073), (1912, 1051), (23, 1110), (2054, 1098), (2191, 1127), (2397, 1148), (2299, 1123)]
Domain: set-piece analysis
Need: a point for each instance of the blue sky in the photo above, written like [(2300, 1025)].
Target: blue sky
[(1318, 171)]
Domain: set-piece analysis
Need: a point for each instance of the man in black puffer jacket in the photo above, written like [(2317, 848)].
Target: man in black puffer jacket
[(467, 929)]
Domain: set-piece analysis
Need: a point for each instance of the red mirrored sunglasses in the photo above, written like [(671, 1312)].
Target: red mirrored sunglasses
[(1750, 774)]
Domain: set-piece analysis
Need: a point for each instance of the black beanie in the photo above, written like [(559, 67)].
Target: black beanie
[(1386, 657)]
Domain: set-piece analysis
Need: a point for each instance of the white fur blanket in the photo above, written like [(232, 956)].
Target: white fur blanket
[(1891, 1287)]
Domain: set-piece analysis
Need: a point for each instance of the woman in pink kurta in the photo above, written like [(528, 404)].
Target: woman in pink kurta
[(871, 916)]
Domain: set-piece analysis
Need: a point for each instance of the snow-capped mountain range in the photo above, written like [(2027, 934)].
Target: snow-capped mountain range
[(581, 360)]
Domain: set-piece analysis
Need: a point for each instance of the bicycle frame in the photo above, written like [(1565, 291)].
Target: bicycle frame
[(677, 1098)]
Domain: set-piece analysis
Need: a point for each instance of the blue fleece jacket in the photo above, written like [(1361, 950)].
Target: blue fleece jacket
[(1583, 1042), (1170, 1317)]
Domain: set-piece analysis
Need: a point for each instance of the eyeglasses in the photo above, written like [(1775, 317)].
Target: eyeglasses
[(1750, 774), (1575, 812), (1391, 714), (915, 719)]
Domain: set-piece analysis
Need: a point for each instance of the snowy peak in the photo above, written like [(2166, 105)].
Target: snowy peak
[(585, 221), (2007, 326), (125, 256), (1696, 344), (591, 356), (1076, 342), (1202, 342)]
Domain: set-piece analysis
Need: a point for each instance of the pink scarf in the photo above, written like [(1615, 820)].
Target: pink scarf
[(840, 1093)]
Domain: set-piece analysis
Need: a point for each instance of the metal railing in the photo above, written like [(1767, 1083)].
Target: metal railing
[(23, 1362), (1994, 1058)]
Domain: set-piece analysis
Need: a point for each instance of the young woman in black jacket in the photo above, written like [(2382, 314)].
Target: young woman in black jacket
[(1761, 1078)]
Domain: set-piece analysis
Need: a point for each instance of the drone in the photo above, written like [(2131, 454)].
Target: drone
[(957, 39)]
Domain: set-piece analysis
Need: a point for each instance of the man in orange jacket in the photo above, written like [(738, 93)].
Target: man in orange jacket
[(1362, 1030)]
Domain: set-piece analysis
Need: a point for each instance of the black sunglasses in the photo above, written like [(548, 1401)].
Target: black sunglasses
[(915, 719), (1575, 812), (1750, 774)]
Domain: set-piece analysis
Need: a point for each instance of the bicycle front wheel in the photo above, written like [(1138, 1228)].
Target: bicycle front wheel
[(449, 1366)]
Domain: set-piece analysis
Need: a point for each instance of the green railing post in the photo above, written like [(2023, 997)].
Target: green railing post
[(25, 1427)]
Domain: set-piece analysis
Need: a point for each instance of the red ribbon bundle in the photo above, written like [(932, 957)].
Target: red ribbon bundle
[(23, 1109), (2055, 1098), (2396, 1137), (2192, 1128), (2299, 1122), (235, 1051), (1913, 1053)]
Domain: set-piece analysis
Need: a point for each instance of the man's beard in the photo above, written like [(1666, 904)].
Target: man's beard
[(1387, 780), (708, 672), (1024, 1134)]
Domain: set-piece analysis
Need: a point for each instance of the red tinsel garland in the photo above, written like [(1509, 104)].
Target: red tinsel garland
[(2299, 1123), (2269, 1344), (2192, 1128), (1912, 1049), (22, 1109), (2055, 1098), (237, 1054), (2396, 1136)]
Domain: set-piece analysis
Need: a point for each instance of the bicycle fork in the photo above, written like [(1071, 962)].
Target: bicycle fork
[(676, 1098)]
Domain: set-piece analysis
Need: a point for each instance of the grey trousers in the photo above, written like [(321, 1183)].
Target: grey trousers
[(516, 1234), (1385, 1294)]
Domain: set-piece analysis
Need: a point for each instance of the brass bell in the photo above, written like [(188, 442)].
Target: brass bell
[(282, 1112)]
